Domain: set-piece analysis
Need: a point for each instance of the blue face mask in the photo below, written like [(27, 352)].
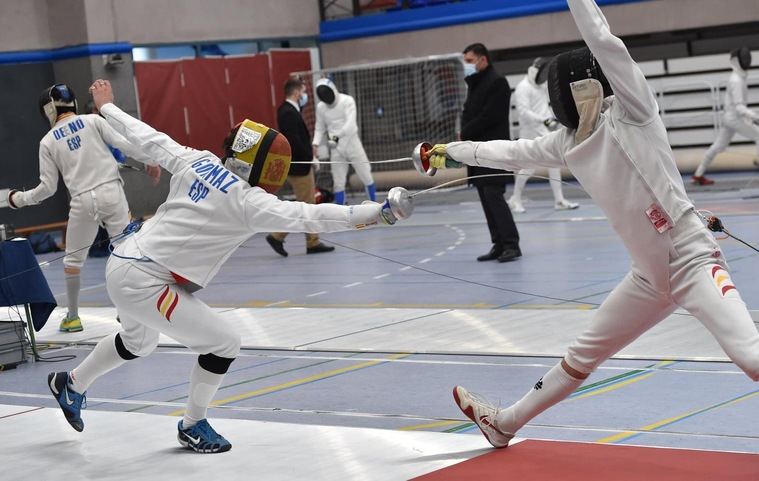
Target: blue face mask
[(469, 69), (303, 100)]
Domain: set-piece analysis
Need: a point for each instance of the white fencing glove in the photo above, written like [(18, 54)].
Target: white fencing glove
[(332, 142)]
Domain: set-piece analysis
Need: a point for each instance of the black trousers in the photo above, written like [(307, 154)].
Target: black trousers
[(503, 230)]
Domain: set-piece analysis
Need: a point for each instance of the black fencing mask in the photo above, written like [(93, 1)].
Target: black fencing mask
[(564, 69)]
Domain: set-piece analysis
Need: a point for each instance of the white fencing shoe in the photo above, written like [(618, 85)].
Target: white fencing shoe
[(483, 414), (566, 205)]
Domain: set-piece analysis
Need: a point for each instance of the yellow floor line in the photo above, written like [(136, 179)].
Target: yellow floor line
[(653, 426), (613, 387), (438, 424), (296, 382)]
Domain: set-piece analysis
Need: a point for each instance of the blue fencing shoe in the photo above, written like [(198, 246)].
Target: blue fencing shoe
[(70, 401), (202, 438)]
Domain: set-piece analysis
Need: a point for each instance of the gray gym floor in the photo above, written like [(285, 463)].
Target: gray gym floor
[(377, 333)]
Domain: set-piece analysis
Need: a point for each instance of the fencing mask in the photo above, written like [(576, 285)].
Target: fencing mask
[(258, 154), (56, 100), (743, 55), (326, 91), (566, 69), (538, 71)]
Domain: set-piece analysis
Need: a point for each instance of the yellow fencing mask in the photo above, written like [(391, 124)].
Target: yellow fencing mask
[(258, 154)]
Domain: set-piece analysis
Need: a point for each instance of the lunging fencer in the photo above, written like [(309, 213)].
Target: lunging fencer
[(737, 118), (213, 206), (79, 148), (336, 123), (615, 144), (536, 120)]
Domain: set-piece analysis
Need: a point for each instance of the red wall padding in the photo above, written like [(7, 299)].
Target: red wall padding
[(283, 63), (249, 89), (159, 88), (216, 94), (205, 96)]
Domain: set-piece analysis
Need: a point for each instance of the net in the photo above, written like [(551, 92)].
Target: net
[(399, 104)]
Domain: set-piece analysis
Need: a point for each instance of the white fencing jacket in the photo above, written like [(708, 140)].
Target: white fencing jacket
[(77, 147), (626, 165), (209, 211), (531, 101), (736, 96)]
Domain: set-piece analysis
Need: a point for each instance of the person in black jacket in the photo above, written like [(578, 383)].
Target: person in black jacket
[(301, 177), (486, 117)]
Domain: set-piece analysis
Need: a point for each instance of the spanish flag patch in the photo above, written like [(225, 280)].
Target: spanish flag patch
[(167, 302), (722, 280)]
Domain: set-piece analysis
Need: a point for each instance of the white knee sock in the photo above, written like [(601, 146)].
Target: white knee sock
[(203, 387), (73, 283), (551, 389), (519, 183), (554, 176), (102, 359)]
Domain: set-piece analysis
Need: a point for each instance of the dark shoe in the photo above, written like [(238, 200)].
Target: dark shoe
[(70, 401), (509, 255), (277, 245), (492, 255), (318, 248)]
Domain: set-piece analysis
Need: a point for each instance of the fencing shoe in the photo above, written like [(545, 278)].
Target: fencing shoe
[(566, 205), (515, 205), (70, 324), (70, 401), (201, 438), (483, 414), (701, 180)]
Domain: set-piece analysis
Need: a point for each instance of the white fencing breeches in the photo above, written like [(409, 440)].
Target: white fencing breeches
[(150, 302), (699, 282), (730, 127), (105, 205), (351, 151)]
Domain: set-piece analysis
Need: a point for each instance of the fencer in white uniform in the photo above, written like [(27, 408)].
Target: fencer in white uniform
[(618, 149), (336, 123), (77, 147), (213, 207), (535, 120), (737, 118)]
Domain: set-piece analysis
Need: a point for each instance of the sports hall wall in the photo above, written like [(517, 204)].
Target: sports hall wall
[(518, 31), (46, 41)]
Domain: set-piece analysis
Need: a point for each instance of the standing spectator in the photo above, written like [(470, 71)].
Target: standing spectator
[(336, 123), (301, 177), (486, 117), (536, 120)]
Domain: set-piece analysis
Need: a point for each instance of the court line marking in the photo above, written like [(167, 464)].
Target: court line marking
[(290, 384), (627, 435)]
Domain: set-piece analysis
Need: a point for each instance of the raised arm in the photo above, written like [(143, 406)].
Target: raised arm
[(546, 151), (117, 141), (627, 80), (47, 186), (161, 148)]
